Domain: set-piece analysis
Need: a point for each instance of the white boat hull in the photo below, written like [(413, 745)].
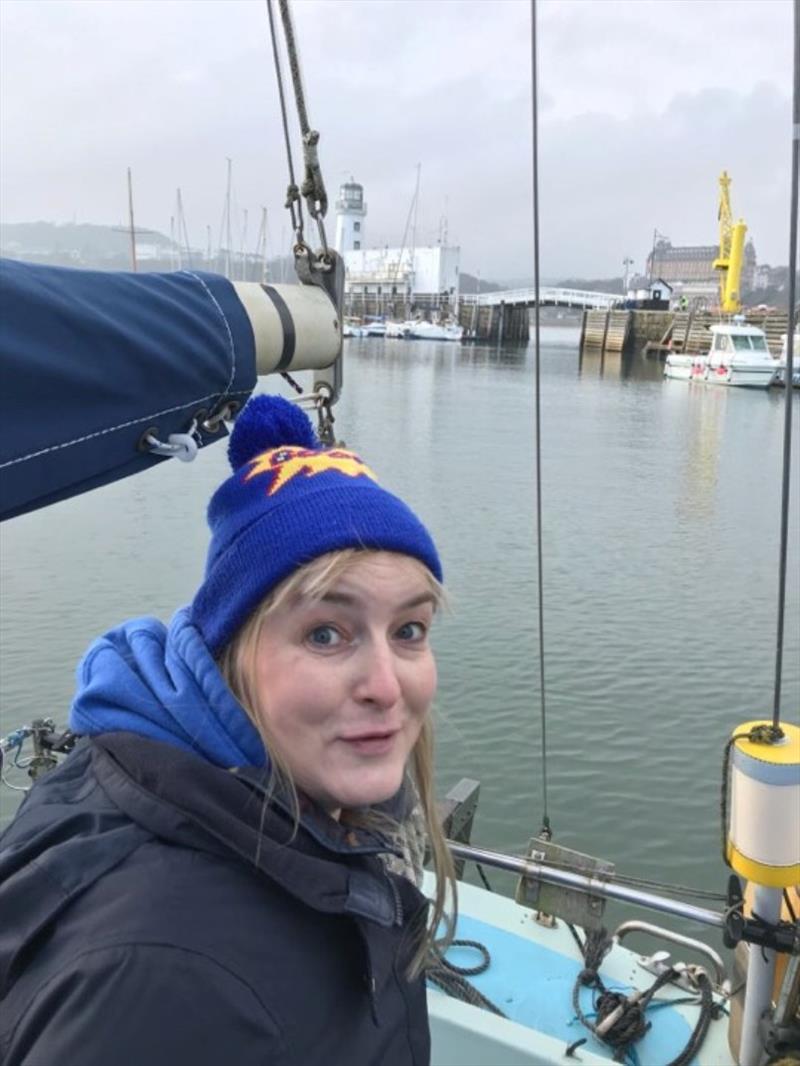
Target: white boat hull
[(748, 376), (684, 367), (430, 331)]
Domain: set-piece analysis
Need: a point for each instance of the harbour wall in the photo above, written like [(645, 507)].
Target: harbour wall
[(656, 333)]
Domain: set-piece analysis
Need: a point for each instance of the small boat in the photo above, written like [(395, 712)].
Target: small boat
[(684, 367), (780, 373), (435, 331), (740, 356), (351, 327)]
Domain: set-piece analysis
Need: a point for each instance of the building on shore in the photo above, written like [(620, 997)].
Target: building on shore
[(392, 281), (647, 294), (689, 269)]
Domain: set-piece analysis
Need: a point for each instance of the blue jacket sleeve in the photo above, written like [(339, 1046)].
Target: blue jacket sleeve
[(90, 361), (145, 1003)]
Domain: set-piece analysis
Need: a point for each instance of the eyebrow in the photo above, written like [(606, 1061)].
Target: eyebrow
[(345, 600)]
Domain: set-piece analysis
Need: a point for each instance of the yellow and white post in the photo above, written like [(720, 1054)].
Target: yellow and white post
[(763, 846)]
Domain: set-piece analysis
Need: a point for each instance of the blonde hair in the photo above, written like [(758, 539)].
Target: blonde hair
[(237, 665)]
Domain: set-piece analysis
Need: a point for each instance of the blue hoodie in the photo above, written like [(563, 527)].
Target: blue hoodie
[(161, 682)]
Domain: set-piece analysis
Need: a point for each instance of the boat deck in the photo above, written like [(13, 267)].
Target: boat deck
[(530, 978)]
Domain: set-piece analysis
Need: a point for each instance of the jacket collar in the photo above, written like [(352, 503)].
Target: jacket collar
[(182, 798), (329, 833)]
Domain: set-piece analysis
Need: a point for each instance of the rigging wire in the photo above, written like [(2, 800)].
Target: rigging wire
[(292, 193), (791, 326), (537, 406), (313, 187)]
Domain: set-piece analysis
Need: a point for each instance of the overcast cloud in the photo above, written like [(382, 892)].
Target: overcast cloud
[(643, 103)]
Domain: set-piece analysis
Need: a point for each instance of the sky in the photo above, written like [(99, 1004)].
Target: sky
[(642, 103)]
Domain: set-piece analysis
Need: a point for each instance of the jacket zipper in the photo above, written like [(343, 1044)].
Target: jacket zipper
[(398, 903)]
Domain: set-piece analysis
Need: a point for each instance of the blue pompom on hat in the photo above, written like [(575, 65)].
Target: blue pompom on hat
[(289, 501)]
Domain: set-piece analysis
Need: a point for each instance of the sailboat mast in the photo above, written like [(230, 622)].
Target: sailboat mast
[(178, 224), (131, 222), (262, 245), (243, 249), (228, 224), (183, 232), (414, 233)]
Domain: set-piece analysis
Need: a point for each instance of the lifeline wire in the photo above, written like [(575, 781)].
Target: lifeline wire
[(791, 326), (538, 418)]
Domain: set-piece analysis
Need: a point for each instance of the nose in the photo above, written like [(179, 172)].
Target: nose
[(378, 683)]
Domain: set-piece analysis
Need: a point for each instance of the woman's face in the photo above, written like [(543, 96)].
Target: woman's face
[(343, 683)]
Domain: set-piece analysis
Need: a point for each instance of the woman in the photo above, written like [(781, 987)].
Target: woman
[(207, 878)]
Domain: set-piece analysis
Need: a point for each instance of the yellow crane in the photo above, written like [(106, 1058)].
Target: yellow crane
[(730, 260)]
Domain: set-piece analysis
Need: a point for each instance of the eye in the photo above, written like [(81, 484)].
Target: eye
[(324, 636), (412, 631)]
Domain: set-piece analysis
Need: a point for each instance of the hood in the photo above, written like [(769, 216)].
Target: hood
[(162, 683)]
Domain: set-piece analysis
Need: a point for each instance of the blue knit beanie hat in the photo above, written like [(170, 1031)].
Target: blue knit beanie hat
[(288, 502)]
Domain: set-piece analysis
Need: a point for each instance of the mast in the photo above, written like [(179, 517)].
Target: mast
[(414, 233), (131, 222), (172, 242), (228, 223), (243, 249), (177, 233), (208, 247), (183, 232), (261, 245)]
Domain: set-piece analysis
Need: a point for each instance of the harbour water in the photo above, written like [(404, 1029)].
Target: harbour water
[(661, 526)]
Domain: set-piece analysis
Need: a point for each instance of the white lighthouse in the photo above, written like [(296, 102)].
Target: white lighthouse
[(350, 213)]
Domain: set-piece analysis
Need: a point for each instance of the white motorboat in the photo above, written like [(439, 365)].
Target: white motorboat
[(435, 331), (780, 374), (740, 356), (684, 367)]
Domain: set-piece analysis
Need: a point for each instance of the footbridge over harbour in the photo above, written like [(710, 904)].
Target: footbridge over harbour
[(549, 296), (505, 315)]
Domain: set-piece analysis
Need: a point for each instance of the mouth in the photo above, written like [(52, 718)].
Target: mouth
[(375, 742)]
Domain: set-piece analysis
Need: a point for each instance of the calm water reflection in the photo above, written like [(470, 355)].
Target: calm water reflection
[(660, 538)]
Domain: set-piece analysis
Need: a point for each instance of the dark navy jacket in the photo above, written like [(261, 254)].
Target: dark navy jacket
[(154, 913)]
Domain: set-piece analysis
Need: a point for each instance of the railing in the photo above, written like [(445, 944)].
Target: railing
[(549, 295)]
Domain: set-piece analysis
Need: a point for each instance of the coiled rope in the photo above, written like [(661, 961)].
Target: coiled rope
[(620, 1019), (452, 979)]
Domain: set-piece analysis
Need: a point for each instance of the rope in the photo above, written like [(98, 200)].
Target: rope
[(620, 1019), (292, 191), (538, 418), (484, 878), (294, 66), (787, 426), (313, 187), (452, 979), (298, 388)]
